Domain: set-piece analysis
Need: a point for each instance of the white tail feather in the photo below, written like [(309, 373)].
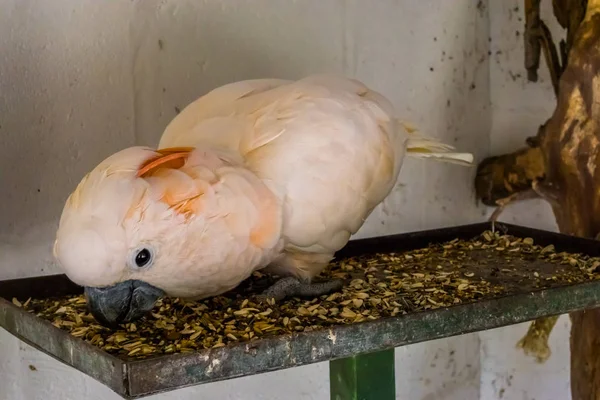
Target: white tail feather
[(421, 146)]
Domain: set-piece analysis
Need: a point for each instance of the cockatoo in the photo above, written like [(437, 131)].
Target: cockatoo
[(264, 174)]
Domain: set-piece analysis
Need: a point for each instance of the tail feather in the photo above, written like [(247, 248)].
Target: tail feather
[(421, 146)]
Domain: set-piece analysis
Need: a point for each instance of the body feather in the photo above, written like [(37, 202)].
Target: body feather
[(328, 146), (259, 173)]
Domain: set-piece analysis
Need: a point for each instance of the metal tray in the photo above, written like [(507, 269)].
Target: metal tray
[(139, 378)]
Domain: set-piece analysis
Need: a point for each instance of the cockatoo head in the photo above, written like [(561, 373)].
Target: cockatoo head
[(124, 234)]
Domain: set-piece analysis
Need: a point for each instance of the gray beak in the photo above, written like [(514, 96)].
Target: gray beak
[(122, 303)]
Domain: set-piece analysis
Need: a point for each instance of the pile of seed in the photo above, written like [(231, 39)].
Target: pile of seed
[(378, 285)]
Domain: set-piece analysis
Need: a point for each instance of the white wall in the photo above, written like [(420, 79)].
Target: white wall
[(519, 107), (80, 79)]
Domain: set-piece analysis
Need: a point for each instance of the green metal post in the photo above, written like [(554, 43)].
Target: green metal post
[(365, 377)]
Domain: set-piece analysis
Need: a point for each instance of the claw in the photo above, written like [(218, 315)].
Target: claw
[(291, 286)]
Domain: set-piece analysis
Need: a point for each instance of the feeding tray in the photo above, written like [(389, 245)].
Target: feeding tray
[(399, 290)]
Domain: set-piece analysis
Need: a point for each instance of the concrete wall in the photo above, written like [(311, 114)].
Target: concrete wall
[(80, 79)]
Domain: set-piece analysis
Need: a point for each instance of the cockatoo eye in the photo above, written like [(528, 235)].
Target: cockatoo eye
[(141, 258)]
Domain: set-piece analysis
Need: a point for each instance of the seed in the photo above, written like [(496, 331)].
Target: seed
[(134, 351), (549, 248), (79, 332), (381, 286), (333, 297), (432, 302), (572, 261), (347, 313), (303, 311), (265, 313), (195, 335), (312, 308), (133, 345)]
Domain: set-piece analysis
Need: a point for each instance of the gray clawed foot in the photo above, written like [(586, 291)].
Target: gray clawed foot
[(290, 287)]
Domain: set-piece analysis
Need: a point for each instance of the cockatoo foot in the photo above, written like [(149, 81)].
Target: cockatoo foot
[(291, 286)]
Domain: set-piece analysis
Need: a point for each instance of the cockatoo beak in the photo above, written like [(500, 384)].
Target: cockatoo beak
[(122, 303)]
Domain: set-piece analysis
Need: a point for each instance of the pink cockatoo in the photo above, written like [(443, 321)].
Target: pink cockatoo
[(260, 174)]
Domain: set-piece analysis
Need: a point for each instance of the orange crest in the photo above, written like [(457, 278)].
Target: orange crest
[(183, 199), (172, 157)]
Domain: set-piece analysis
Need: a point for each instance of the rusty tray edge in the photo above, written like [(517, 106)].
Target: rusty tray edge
[(64, 347), (135, 379), (240, 360), (183, 370)]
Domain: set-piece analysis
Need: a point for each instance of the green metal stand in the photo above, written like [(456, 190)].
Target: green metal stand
[(365, 377)]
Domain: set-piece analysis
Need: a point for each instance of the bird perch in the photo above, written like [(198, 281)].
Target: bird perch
[(560, 164)]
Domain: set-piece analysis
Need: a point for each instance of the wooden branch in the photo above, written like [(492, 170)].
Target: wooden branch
[(569, 14), (518, 196), (538, 37), (550, 55), (571, 143), (568, 149), (585, 360), (532, 44), (535, 342), (502, 176), (577, 146)]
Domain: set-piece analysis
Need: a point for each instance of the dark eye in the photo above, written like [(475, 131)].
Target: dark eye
[(142, 258)]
